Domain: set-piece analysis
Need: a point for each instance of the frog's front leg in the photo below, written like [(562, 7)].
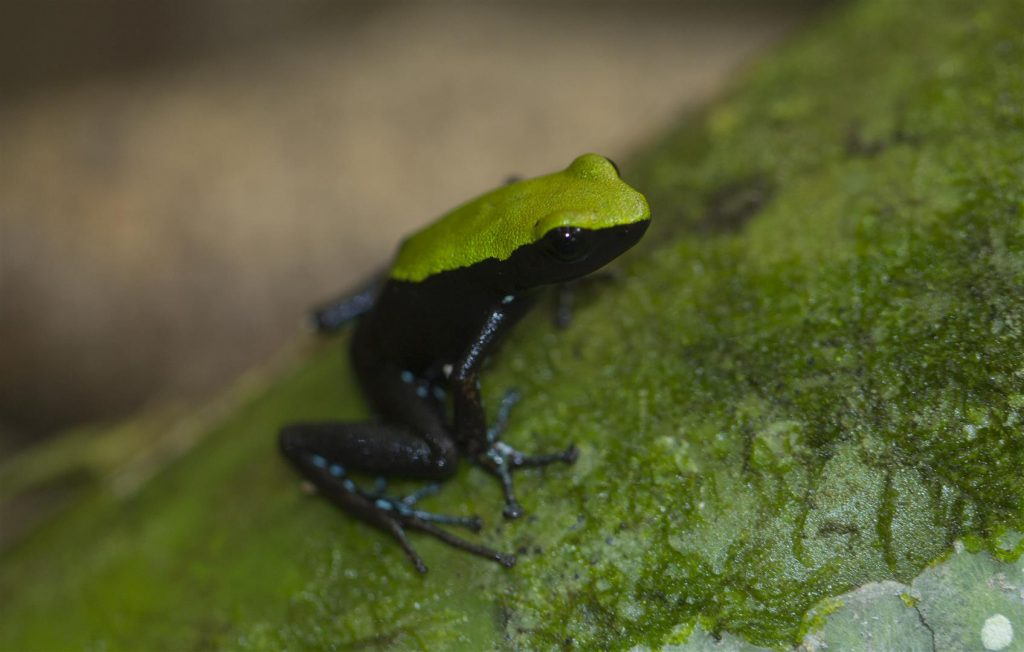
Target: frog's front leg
[(326, 452), (485, 445), (334, 315)]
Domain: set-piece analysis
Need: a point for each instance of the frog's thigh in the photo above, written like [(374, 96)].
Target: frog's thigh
[(402, 398), (376, 448)]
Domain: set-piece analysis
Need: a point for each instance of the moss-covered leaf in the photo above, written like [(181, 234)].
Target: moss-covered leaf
[(809, 378)]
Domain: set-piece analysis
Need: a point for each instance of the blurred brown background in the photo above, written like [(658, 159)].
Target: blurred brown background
[(181, 180)]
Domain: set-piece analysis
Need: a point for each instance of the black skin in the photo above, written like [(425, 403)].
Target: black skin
[(419, 343)]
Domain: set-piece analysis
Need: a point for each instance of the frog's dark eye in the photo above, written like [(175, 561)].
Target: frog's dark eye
[(568, 243)]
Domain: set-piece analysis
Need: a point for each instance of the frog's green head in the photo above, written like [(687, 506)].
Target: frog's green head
[(550, 228), (608, 218)]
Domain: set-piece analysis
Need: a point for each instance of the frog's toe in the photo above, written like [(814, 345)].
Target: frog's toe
[(512, 510), (506, 560), (497, 429), (568, 456), (403, 508), (421, 493), (471, 523)]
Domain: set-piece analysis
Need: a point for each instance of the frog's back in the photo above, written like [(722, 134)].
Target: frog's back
[(589, 193)]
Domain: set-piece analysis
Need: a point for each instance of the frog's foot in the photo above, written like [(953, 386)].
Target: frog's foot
[(501, 460), (405, 509), (398, 526), (394, 514), (397, 515)]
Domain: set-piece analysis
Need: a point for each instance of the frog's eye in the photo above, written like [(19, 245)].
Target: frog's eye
[(568, 243)]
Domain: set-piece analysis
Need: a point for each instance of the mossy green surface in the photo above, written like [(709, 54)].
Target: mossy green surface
[(810, 376)]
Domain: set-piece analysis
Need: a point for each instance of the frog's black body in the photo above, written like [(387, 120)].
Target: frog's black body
[(419, 343), (424, 326)]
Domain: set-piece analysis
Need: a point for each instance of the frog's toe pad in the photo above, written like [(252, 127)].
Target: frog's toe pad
[(512, 511)]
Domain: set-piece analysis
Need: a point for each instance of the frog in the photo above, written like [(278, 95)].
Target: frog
[(424, 329)]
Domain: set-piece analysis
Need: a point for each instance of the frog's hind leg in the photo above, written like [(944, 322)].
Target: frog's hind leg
[(326, 452)]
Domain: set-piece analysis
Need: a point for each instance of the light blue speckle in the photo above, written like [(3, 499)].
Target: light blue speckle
[(421, 391), (508, 299), (336, 470), (407, 376), (319, 462), (348, 485), (383, 504)]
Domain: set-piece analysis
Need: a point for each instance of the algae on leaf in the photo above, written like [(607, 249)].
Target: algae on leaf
[(808, 379)]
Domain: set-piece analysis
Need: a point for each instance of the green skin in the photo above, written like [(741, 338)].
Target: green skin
[(453, 291)]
